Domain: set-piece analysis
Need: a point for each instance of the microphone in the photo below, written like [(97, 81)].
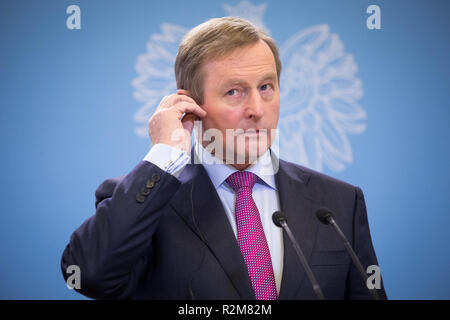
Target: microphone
[(280, 221), (326, 217)]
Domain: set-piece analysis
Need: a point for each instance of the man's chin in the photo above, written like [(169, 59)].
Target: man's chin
[(244, 157)]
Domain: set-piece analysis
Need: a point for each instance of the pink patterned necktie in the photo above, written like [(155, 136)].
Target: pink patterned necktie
[(251, 238)]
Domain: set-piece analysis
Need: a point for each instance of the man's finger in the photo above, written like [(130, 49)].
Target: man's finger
[(174, 99), (185, 107), (163, 102)]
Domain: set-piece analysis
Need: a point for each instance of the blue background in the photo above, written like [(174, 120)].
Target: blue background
[(67, 124)]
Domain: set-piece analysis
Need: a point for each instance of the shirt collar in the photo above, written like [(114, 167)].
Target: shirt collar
[(218, 171)]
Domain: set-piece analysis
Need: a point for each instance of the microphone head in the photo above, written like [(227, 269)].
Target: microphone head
[(278, 217), (324, 215)]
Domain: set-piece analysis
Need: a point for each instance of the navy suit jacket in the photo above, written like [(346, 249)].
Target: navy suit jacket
[(154, 236)]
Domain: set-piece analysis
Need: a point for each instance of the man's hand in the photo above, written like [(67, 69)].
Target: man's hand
[(173, 121)]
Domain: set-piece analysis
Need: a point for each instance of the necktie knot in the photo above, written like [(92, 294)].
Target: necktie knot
[(242, 179)]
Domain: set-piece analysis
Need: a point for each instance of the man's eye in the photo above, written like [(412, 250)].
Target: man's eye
[(265, 87), (232, 92)]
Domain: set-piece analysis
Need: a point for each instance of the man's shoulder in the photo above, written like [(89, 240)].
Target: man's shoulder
[(314, 178)]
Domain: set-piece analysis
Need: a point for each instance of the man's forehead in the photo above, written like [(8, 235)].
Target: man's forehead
[(255, 61), (251, 53)]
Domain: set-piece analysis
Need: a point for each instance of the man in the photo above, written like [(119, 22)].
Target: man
[(196, 224)]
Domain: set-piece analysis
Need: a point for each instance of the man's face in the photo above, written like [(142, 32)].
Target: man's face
[(241, 92)]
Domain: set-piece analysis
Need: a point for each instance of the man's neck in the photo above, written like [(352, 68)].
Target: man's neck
[(241, 167)]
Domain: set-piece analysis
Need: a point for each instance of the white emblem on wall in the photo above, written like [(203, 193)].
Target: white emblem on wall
[(319, 90)]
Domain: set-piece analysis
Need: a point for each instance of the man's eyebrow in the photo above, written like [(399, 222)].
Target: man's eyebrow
[(229, 83), (233, 82), (269, 76)]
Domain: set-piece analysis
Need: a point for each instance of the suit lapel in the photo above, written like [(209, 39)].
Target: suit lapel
[(206, 217), (208, 220), (299, 208)]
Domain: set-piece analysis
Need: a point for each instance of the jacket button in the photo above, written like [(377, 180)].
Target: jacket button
[(145, 192), (156, 177), (140, 198), (150, 184)]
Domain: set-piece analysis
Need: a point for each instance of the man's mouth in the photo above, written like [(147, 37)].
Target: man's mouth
[(254, 132)]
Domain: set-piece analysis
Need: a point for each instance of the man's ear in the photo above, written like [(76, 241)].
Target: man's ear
[(184, 92), (187, 93)]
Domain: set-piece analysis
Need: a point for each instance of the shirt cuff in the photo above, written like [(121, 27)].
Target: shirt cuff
[(169, 159)]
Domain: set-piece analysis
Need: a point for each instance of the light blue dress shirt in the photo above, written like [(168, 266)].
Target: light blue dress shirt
[(265, 194)]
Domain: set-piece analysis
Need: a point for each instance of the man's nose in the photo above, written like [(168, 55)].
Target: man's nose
[(254, 106)]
